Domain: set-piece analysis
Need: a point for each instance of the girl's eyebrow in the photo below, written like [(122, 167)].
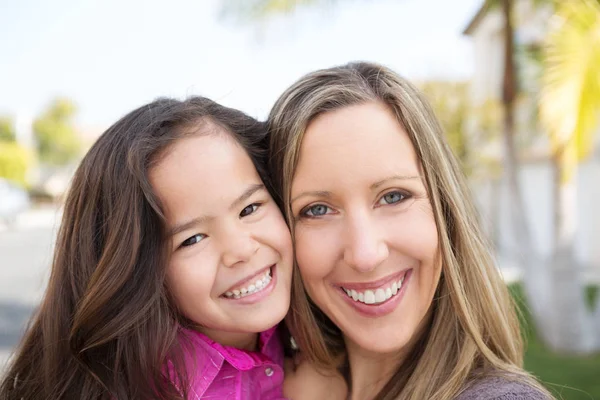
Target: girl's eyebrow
[(250, 190)]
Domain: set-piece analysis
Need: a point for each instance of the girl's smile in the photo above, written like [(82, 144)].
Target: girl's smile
[(253, 289)]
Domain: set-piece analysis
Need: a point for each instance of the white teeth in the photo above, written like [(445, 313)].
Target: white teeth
[(380, 295), (254, 287), (376, 296), (388, 293)]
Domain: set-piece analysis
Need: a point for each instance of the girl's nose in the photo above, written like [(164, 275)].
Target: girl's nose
[(239, 249)]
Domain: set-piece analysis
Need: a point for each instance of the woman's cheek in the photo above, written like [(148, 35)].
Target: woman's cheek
[(313, 251)]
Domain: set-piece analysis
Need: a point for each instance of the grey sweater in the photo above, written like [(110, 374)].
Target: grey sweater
[(498, 388)]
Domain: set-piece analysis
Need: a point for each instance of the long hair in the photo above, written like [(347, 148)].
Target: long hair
[(107, 328), (473, 328)]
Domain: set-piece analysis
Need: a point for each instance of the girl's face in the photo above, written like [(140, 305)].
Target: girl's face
[(231, 263), (366, 238)]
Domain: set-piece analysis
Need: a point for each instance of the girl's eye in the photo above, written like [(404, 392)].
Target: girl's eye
[(317, 210), (392, 198), (193, 240), (249, 209)]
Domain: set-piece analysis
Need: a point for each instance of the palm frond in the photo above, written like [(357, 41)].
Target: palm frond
[(570, 94)]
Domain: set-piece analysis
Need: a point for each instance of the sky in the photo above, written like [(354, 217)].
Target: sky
[(111, 56)]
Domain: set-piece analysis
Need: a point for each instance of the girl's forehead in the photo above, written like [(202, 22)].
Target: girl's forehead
[(201, 169)]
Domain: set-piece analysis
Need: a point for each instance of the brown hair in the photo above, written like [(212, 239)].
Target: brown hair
[(106, 327), (473, 328)]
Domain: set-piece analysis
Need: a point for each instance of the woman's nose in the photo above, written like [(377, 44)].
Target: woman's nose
[(365, 247)]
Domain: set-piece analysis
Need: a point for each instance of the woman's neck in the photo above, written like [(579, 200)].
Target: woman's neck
[(369, 372)]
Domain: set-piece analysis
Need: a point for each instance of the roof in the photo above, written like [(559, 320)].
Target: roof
[(477, 18)]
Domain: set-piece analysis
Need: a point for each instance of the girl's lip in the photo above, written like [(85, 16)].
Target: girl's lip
[(380, 309), (362, 286), (257, 296), (248, 279)]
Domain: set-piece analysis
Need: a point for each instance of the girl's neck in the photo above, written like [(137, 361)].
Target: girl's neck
[(240, 340), (369, 372)]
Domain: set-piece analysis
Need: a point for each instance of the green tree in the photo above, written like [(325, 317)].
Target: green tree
[(450, 103), (14, 162), (7, 129), (253, 10), (57, 140)]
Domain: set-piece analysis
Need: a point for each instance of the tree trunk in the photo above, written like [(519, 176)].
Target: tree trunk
[(572, 322), (535, 276), (597, 322)]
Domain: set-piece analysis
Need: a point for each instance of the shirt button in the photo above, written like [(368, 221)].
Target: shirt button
[(269, 371)]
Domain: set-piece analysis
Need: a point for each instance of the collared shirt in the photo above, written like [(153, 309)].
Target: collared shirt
[(223, 372)]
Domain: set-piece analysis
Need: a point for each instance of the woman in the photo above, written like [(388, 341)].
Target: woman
[(395, 286)]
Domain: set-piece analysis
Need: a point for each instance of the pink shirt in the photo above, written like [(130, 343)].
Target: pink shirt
[(224, 372)]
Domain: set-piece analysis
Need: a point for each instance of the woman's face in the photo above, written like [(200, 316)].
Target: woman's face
[(366, 238)]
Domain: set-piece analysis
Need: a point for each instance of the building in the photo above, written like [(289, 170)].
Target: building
[(486, 30)]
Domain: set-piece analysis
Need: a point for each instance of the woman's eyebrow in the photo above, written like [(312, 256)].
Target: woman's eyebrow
[(327, 194), (315, 193), (393, 178)]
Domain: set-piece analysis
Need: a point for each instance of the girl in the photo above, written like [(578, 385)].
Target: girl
[(395, 284), (172, 267)]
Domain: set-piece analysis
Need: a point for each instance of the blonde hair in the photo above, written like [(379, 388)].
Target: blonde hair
[(473, 330)]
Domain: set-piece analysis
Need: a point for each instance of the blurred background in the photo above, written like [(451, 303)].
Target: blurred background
[(516, 84)]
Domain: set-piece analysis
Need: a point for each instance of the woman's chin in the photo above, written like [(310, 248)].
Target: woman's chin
[(389, 342)]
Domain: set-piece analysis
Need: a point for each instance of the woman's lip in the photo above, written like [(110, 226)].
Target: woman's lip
[(248, 279), (379, 309), (362, 286)]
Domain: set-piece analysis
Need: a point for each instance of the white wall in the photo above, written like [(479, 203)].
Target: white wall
[(536, 181)]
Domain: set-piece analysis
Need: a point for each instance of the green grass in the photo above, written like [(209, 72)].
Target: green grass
[(567, 377)]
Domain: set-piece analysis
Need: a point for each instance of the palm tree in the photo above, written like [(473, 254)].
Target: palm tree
[(569, 109), (537, 282)]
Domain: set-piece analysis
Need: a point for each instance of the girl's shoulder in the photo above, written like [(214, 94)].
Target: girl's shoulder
[(497, 387)]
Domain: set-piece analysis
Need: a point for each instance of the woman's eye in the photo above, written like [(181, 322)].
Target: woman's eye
[(193, 240), (392, 198), (249, 209), (315, 211)]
